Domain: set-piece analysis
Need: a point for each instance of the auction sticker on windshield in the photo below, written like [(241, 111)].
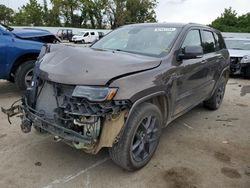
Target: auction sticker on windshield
[(160, 29)]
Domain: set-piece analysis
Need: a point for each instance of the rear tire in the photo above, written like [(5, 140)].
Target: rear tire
[(140, 138), (215, 101), (24, 74)]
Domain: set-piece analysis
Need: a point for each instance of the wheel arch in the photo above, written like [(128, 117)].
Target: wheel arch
[(20, 60), (224, 73), (160, 99)]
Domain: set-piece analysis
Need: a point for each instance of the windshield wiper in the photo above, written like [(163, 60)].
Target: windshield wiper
[(118, 50), (7, 27), (236, 48)]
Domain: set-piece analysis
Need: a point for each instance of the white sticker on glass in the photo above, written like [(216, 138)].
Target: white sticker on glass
[(168, 29)]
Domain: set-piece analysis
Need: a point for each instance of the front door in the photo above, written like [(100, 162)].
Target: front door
[(5, 40), (87, 37), (192, 76)]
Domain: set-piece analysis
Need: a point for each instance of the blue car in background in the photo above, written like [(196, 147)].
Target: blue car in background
[(19, 49)]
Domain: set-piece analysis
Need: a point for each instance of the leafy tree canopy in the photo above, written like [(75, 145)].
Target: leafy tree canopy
[(81, 13), (229, 21), (6, 14)]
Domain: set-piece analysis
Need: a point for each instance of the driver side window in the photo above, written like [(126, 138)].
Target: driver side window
[(193, 38)]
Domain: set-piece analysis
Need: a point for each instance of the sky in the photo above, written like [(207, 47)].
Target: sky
[(185, 11)]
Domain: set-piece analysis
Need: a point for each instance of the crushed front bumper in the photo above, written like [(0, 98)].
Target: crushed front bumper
[(56, 130), (236, 67)]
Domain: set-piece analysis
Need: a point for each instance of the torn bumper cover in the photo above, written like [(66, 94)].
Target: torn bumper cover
[(77, 121), (53, 128)]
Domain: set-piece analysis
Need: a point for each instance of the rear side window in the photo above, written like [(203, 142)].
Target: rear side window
[(92, 33), (208, 42), (220, 41), (217, 45), (192, 39)]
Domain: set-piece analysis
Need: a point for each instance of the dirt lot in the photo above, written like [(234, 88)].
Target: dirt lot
[(201, 149)]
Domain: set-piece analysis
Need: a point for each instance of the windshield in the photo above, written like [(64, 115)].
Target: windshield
[(80, 33), (238, 44), (146, 40)]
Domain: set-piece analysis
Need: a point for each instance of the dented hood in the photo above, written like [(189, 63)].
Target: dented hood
[(87, 66), (238, 53), (29, 33)]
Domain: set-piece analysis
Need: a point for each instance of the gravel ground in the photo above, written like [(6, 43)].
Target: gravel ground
[(206, 149)]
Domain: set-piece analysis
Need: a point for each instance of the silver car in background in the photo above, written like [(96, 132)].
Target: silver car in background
[(239, 50)]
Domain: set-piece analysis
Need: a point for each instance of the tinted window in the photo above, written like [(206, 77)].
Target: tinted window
[(192, 39), (217, 45), (86, 34), (220, 44), (92, 33), (208, 42)]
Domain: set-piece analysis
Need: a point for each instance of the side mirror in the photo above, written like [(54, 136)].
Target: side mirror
[(190, 52)]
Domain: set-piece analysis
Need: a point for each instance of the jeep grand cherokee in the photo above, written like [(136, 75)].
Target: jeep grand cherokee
[(123, 90)]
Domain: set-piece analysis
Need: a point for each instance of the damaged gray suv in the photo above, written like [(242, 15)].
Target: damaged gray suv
[(124, 89)]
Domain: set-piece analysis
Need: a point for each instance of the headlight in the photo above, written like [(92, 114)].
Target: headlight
[(95, 93), (245, 59)]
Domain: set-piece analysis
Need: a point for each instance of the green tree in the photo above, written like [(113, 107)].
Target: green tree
[(68, 11), (6, 14), (86, 13), (30, 14), (139, 11), (230, 22), (54, 14), (122, 12), (117, 13), (94, 11)]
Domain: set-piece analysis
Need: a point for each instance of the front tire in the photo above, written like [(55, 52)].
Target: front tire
[(215, 101), (140, 138), (24, 74)]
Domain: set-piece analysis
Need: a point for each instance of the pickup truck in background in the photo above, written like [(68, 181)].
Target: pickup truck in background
[(65, 34), (19, 49)]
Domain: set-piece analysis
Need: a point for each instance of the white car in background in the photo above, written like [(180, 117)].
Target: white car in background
[(239, 50), (86, 37)]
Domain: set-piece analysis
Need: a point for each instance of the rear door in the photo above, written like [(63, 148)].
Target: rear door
[(213, 56), (192, 75)]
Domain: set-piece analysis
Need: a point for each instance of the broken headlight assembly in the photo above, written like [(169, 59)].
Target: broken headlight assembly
[(96, 94), (245, 59)]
